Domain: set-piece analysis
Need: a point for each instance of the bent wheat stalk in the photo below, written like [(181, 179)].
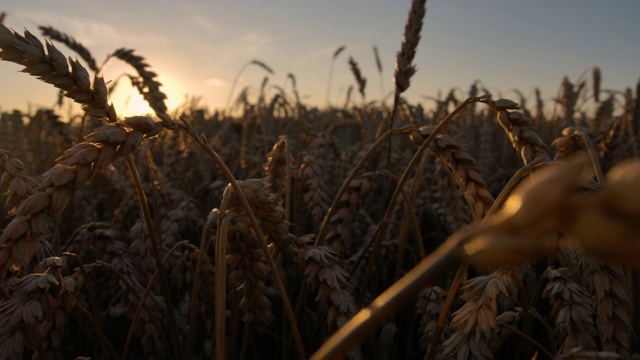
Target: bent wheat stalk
[(551, 201), (202, 142)]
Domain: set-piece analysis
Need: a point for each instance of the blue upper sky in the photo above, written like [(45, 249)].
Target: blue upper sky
[(197, 47)]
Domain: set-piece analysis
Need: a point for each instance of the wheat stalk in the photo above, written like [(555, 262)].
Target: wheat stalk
[(148, 87), (278, 167), (475, 323), (430, 304), (404, 59), (512, 236), (35, 314), (71, 43), (324, 274), (254, 223), (361, 80), (341, 224), (462, 166), (248, 272), (26, 232), (336, 53), (315, 190), (608, 285), (519, 128), (16, 184), (571, 308)]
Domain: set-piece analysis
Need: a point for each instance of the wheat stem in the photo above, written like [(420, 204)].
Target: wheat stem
[(418, 155), (391, 300), (254, 223), (345, 184), (164, 284), (143, 299)]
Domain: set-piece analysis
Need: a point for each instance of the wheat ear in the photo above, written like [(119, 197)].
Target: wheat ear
[(463, 167), (608, 283), (475, 322), (519, 127), (202, 142), (361, 80), (71, 43), (35, 314), (52, 67), (430, 305), (571, 309), (148, 86), (324, 274), (16, 184), (336, 53), (404, 59), (27, 230)]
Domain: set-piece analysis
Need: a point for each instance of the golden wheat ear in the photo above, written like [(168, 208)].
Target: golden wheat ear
[(52, 67), (71, 43), (147, 85)]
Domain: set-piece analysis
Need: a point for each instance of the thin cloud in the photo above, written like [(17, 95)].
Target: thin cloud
[(204, 23), (253, 43), (89, 31), (215, 82)]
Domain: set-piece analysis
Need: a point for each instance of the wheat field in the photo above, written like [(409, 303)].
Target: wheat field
[(478, 228)]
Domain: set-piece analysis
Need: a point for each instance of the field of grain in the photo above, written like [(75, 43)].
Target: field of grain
[(474, 229)]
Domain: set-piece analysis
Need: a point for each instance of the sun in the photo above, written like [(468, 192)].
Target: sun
[(135, 104), (129, 102)]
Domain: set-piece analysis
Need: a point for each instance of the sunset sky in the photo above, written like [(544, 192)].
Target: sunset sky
[(198, 47)]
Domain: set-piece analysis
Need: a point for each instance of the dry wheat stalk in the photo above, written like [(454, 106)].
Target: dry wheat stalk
[(404, 67), (248, 272), (568, 100), (36, 313), (340, 232), (336, 53), (519, 127), (265, 206), (596, 75), (463, 168), (184, 216), (52, 67), (447, 201), (621, 138), (603, 117), (571, 309), (474, 324), (26, 233), (114, 251), (361, 80), (16, 184), (151, 333), (567, 146), (430, 304), (575, 140), (148, 87), (278, 167), (324, 274), (376, 55), (315, 191), (608, 285), (554, 199)]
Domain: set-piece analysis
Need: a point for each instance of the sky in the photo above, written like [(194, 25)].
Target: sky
[(198, 47)]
